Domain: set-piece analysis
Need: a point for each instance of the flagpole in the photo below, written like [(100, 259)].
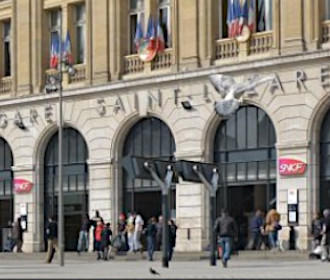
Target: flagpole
[(60, 163)]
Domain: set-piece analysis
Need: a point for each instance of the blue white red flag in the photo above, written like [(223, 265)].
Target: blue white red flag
[(233, 18), (151, 33), (160, 43), (54, 52), (252, 15), (67, 50), (243, 15), (138, 35)]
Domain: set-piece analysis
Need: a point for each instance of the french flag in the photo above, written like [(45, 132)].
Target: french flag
[(233, 14), (138, 35), (151, 34), (67, 50), (54, 52), (252, 15), (160, 43), (243, 15)]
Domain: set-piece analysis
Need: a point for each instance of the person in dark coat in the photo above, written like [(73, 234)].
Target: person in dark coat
[(226, 229), (256, 227), (316, 230), (17, 235), (172, 238), (325, 235), (106, 241), (159, 234), (83, 239), (150, 233), (51, 232)]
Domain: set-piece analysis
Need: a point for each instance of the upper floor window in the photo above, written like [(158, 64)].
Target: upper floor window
[(136, 15), (80, 26), (256, 14), (164, 16), (6, 48), (54, 36), (326, 13)]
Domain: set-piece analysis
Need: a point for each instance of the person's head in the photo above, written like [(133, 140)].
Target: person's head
[(51, 219), (122, 217), (97, 213), (326, 213), (224, 212), (317, 215), (134, 214), (258, 213), (171, 222), (107, 225), (160, 218), (19, 220), (152, 220)]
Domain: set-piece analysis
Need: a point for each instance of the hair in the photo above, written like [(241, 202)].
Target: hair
[(107, 224), (224, 211), (326, 212)]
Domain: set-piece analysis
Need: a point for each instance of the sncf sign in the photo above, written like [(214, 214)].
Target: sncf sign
[(22, 186), (289, 166)]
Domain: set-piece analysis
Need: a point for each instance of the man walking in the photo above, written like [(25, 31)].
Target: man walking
[(326, 236), (226, 229), (256, 228), (83, 240), (51, 232)]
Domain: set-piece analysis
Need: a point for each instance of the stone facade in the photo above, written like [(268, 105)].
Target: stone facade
[(296, 50)]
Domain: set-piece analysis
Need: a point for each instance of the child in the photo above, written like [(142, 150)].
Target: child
[(98, 238), (106, 241)]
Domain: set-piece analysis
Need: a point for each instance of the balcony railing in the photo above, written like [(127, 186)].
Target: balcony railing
[(261, 42), (162, 60), (326, 31), (5, 85), (80, 74), (133, 64), (226, 48)]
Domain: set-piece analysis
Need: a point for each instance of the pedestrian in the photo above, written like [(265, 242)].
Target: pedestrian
[(316, 230), (272, 228), (98, 239), (159, 234), (122, 232), (226, 229), (172, 238), (93, 223), (17, 235), (325, 242), (256, 228), (51, 232), (83, 240), (106, 236), (150, 233), (138, 227), (130, 231)]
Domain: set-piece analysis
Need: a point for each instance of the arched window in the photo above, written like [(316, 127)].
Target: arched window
[(151, 138), (75, 178), (6, 185), (244, 147), (325, 163)]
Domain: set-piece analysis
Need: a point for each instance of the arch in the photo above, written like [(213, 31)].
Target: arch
[(75, 181), (6, 186), (244, 148)]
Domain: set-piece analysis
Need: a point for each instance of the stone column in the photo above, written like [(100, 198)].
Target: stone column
[(100, 190), (191, 211), (312, 24), (188, 34), (292, 26), (100, 35), (299, 182), (32, 237), (23, 41)]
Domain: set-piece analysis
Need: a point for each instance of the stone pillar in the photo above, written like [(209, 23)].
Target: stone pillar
[(292, 26), (191, 212), (299, 182), (100, 33), (32, 237), (23, 41), (312, 24), (100, 190), (188, 34)]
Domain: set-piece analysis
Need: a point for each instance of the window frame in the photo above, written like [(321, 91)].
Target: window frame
[(6, 41), (139, 13), (166, 4), (80, 23), (54, 28)]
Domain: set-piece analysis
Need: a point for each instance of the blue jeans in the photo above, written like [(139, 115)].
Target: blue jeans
[(273, 239), (83, 241), (226, 243), (150, 246)]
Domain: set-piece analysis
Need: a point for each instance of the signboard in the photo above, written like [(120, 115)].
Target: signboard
[(293, 196), (22, 185), (289, 166)]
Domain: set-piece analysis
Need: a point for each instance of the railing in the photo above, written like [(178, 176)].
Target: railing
[(80, 74), (133, 64), (226, 48), (49, 73), (261, 42), (162, 60), (326, 31), (5, 85)]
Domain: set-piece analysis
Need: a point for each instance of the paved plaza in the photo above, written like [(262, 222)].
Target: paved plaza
[(32, 266)]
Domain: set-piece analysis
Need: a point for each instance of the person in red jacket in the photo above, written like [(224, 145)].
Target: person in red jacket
[(98, 238)]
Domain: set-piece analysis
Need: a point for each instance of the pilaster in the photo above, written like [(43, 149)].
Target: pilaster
[(312, 24)]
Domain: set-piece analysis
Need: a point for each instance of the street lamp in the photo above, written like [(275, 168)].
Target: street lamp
[(54, 84)]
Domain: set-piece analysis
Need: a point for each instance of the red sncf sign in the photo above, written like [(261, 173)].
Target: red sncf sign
[(289, 166), (22, 185)]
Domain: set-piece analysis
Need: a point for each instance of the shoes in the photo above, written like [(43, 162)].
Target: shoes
[(224, 263), (105, 259)]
